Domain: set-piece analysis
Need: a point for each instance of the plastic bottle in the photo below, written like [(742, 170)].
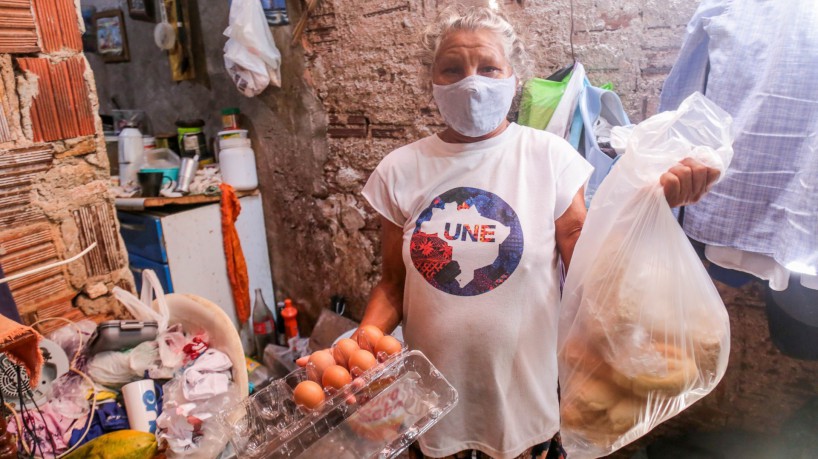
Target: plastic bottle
[(263, 324), (238, 163), (130, 152), (290, 323)]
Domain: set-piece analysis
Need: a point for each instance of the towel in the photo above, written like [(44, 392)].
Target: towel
[(236, 265)]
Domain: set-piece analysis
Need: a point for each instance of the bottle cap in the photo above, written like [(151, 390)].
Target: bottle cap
[(230, 111)]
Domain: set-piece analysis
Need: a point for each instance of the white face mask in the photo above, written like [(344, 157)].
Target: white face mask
[(475, 105)]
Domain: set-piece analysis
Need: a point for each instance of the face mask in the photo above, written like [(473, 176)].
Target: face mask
[(475, 105)]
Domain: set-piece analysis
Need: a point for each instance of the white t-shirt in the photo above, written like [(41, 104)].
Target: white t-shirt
[(482, 293)]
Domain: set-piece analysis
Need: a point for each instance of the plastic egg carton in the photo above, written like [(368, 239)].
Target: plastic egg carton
[(377, 416)]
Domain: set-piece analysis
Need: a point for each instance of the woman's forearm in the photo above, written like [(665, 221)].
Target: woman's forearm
[(385, 307)]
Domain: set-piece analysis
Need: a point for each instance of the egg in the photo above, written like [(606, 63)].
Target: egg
[(308, 394), (368, 337), (343, 350), (336, 377), (319, 361), (360, 361), (387, 345)]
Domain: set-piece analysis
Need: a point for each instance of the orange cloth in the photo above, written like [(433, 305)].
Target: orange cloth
[(236, 265), (21, 344)]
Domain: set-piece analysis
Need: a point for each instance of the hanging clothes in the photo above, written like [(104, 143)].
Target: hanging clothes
[(234, 256), (756, 59)]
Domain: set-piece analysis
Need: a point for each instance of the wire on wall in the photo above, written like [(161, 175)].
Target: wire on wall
[(571, 36)]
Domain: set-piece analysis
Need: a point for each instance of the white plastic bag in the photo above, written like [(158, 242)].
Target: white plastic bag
[(142, 308), (560, 123), (250, 54), (643, 331)]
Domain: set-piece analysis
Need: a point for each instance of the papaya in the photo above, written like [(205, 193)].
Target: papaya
[(122, 444)]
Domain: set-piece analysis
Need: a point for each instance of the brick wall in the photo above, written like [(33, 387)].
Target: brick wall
[(54, 197)]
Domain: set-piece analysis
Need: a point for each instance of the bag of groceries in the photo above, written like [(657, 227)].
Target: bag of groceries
[(643, 331)]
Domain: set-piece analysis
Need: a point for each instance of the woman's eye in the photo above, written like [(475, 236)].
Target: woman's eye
[(451, 71), (489, 69)]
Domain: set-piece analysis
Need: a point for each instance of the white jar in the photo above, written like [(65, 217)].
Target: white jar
[(238, 164)]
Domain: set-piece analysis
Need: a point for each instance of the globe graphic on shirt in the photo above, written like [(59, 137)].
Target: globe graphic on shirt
[(467, 242)]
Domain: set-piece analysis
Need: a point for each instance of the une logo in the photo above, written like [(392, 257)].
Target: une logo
[(481, 233)]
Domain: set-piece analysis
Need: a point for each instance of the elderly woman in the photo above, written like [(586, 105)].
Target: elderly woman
[(474, 219)]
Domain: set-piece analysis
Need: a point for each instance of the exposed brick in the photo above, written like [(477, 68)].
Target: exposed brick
[(342, 132), (393, 132), (617, 21)]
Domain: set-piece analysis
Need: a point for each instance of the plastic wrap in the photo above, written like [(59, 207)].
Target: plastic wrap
[(644, 332), (378, 415)]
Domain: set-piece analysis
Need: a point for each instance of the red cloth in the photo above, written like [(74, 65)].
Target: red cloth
[(21, 345), (236, 265)]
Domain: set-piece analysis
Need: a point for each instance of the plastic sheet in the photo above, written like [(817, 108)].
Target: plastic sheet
[(191, 429), (644, 332)]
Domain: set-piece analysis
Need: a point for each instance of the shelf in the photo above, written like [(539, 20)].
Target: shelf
[(190, 200)]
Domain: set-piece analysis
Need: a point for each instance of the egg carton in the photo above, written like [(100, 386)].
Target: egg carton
[(377, 416)]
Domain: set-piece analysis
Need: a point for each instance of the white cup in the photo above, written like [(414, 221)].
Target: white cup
[(141, 404)]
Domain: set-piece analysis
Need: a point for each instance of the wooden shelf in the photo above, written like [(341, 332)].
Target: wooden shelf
[(190, 200)]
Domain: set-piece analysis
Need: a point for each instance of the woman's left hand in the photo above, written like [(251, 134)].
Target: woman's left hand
[(686, 182)]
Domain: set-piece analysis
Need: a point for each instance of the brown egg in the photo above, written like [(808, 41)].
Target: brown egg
[(336, 376), (360, 361), (319, 361), (387, 345), (368, 337), (308, 394), (343, 350)]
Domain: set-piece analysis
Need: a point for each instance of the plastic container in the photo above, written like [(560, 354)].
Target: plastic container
[(162, 160), (395, 402), (238, 163), (233, 133), (130, 154), (189, 148), (230, 118)]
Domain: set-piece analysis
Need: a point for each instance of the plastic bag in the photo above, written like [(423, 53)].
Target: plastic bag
[(250, 54), (143, 308), (191, 429), (643, 331), (111, 369), (549, 105)]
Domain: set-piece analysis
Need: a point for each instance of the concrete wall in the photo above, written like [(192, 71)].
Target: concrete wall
[(145, 82)]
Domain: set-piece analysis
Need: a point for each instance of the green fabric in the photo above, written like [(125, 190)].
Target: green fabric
[(539, 100)]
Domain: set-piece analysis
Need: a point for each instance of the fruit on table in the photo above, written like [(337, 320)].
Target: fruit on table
[(122, 444)]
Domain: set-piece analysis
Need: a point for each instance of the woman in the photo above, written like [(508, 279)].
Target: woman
[(473, 220)]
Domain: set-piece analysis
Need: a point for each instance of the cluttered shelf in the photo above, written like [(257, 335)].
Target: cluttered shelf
[(162, 201)]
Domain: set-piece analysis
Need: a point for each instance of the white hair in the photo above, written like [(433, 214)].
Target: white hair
[(476, 18)]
